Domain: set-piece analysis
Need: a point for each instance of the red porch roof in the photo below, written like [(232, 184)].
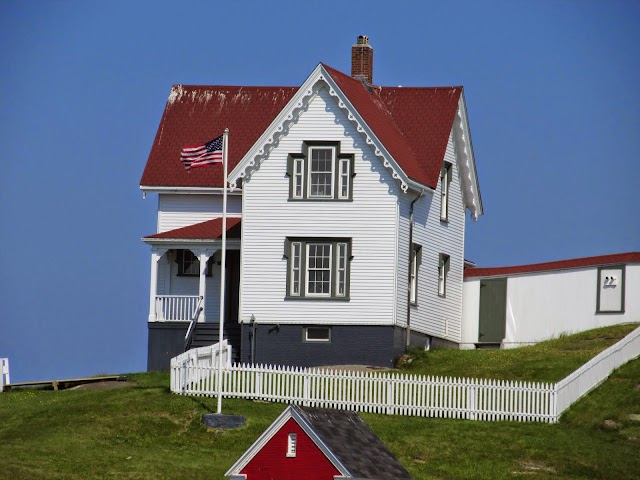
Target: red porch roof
[(209, 230), (412, 123), (616, 258)]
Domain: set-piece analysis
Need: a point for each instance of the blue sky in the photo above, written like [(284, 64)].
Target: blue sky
[(551, 89)]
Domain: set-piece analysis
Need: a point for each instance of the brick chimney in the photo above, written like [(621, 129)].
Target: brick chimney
[(362, 60)]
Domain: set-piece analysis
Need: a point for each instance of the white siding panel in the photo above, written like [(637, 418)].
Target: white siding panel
[(543, 305), (434, 315), (177, 211), (369, 220)]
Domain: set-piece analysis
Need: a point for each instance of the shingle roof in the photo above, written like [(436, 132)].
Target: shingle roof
[(209, 230), (601, 260), (412, 123), (354, 443)]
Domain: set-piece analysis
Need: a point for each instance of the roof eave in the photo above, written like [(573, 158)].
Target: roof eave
[(462, 136), (186, 190)]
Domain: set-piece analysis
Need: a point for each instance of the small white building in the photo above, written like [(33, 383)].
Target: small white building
[(522, 305)]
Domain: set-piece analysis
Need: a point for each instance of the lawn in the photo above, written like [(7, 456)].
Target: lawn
[(144, 431)]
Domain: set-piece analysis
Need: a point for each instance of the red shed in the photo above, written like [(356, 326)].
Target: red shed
[(317, 444)]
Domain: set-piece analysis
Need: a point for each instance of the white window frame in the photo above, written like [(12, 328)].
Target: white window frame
[(317, 340), (413, 281), (344, 178), (297, 254), (292, 445), (311, 172), (298, 178), (308, 269), (296, 257), (443, 268), (445, 183)]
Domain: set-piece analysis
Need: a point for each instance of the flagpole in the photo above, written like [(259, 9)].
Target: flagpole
[(225, 145)]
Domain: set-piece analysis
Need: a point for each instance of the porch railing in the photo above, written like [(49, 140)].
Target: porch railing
[(176, 308)]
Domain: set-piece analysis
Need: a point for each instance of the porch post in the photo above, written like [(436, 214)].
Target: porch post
[(203, 257), (156, 255)]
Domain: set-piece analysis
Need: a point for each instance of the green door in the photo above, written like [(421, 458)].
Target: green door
[(493, 310)]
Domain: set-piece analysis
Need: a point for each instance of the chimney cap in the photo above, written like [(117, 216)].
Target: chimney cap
[(363, 40)]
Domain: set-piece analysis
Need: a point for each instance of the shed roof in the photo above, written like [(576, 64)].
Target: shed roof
[(600, 260), (209, 230)]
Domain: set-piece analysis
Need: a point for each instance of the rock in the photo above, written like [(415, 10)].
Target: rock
[(634, 417), (219, 420), (609, 425)]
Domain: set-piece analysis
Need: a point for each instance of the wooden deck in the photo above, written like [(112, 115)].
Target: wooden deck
[(66, 383)]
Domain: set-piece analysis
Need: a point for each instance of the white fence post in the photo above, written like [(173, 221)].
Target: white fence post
[(472, 399), (5, 379)]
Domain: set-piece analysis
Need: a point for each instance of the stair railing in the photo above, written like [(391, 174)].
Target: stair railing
[(188, 338)]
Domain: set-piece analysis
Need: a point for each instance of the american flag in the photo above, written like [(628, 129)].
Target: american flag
[(210, 152)]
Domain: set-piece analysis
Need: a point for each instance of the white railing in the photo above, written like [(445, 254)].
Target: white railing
[(595, 371), (188, 368), (5, 379), (179, 308), (398, 394)]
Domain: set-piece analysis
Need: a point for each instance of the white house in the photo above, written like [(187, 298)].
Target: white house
[(348, 217)]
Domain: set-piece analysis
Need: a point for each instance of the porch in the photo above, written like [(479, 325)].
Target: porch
[(184, 293)]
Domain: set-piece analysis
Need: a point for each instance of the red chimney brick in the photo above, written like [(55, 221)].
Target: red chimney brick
[(362, 60)]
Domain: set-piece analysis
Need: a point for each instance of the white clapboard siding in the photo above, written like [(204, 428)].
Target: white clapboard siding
[(369, 220), (434, 315), (177, 211)]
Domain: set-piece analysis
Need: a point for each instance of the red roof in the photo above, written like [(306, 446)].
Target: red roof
[(412, 123), (616, 258), (209, 230)]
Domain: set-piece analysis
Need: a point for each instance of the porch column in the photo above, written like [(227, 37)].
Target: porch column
[(203, 257), (156, 255)]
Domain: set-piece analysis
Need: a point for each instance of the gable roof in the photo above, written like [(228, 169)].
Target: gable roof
[(354, 443), (597, 261), (412, 124), (209, 230), (347, 442), (196, 114)]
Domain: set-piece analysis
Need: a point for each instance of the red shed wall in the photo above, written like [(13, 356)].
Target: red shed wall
[(272, 463)]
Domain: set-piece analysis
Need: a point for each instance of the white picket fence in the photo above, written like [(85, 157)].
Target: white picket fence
[(398, 394), (5, 379), (195, 362)]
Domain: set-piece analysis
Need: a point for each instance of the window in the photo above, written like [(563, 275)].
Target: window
[(317, 334), (320, 172), (445, 183), (443, 270), (416, 254), (189, 264), (292, 444), (318, 268)]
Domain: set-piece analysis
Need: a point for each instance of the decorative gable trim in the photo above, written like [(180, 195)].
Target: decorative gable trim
[(466, 161), (318, 78), (289, 413)]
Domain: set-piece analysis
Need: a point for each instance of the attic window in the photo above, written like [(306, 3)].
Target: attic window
[(292, 444), (445, 183), (320, 172)]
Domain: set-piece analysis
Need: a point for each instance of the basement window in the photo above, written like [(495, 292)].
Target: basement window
[(317, 334)]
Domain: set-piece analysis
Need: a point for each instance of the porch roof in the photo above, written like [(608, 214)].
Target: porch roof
[(209, 230)]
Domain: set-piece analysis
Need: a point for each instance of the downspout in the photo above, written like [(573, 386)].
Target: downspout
[(408, 331)]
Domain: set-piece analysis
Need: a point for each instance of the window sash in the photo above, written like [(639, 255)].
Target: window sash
[(414, 276), (443, 266), (319, 256), (296, 257), (344, 169), (298, 177), (445, 179), (341, 270), (317, 334), (320, 177)]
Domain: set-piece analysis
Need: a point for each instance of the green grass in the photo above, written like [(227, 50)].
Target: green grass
[(548, 361), (146, 432)]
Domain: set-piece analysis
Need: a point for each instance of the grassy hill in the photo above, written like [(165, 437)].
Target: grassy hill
[(144, 431)]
